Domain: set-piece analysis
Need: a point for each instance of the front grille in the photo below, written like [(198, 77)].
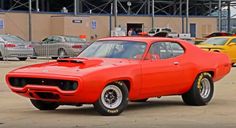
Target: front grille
[(65, 85)]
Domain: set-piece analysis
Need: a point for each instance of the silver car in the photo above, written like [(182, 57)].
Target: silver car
[(13, 46), (60, 46)]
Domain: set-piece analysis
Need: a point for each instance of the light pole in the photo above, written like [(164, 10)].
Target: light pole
[(187, 15), (115, 11), (153, 13), (30, 20), (219, 13), (75, 7), (129, 4)]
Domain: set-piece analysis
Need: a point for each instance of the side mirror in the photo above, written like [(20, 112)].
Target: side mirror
[(232, 44)]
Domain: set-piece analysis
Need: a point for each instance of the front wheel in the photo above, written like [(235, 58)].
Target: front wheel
[(201, 92), (113, 99), (44, 105), (22, 58)]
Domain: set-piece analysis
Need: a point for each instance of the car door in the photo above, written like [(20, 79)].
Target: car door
[(42, 49), (232, 49), (161, 69), (54, 45)]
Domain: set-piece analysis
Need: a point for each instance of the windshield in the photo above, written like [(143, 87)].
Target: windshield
[(11, 38), (216, 41), (115, 49)]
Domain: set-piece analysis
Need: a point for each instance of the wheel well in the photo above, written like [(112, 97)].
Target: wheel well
[(126, 82), (216, 51), (210, 72)]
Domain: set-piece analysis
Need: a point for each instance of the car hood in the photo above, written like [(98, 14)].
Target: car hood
[(74, 66), (210, 46)]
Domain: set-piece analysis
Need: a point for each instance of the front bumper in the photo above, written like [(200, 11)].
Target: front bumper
[(47, 92)]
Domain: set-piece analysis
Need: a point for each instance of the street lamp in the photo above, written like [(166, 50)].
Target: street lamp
[(129, 4)]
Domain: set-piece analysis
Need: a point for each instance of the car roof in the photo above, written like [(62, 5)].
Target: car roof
[(148, 40)]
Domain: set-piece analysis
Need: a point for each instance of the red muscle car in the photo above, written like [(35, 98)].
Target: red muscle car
[(113, 71)]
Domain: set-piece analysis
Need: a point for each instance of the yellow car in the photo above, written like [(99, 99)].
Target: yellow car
[(225, 45)]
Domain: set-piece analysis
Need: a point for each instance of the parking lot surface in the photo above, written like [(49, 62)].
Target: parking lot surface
[(165, 112)]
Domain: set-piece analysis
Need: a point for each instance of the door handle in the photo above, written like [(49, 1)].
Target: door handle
[(176, 63)]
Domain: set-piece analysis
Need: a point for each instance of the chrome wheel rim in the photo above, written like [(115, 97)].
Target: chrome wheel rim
[(111, 97), (205, 88)]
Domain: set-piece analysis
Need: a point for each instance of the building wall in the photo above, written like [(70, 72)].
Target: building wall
[(204, 25), (44, 25)]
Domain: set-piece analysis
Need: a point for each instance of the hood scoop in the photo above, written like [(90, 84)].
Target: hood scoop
[(83, 61), (71, 61)]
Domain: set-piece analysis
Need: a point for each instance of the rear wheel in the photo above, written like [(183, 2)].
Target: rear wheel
[(113, 100), (22, 58), (44, 105), (54, 58), (33, 57), (201, 92), (62, 53), (1, 57)]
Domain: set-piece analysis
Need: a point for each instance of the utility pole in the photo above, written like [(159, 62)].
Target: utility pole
[(229, 18), (153, 13), (219, 13), (115, 12), (30, 20), (181, 14), (37, 5), (187, 15), (75, 7)]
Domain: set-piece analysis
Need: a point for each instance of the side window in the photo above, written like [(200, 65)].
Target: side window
[(233, 41), (165, 50), (47, 40), (176, 49), (56, 39)]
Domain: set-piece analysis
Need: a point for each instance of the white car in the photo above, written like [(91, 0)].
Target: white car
[(14, 46), (154, 31)]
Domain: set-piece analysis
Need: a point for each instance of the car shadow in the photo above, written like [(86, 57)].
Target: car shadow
[(88, 110), (133, 106)]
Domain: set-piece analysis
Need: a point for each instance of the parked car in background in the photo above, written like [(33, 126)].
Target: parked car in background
[(112, 71), (214, 34), (14, 46), (154, 31), (217, 34), (60, 46), (226, 44)]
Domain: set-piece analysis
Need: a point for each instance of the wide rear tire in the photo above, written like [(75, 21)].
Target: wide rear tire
[(113, 99), (201, 92), (44, 105)]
